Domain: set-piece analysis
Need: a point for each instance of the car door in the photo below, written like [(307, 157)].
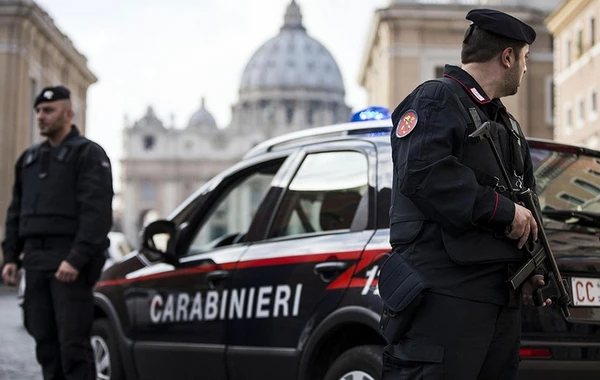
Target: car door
[(297, 275), (180, 309)]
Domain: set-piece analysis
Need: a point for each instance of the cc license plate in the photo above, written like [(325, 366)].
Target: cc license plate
[(586, 291)]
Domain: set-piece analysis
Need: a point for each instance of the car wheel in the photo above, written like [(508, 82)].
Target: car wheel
[(106, 356), (358, 363)]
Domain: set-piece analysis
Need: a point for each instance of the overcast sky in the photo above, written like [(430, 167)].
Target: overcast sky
[(170, 53)]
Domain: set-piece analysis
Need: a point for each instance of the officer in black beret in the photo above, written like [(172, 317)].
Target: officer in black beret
[(58, 222), (455, 231)]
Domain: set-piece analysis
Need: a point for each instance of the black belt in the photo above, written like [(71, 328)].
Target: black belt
[(49, 242)]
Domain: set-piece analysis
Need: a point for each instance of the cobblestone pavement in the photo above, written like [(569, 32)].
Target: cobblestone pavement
[(17, 348)]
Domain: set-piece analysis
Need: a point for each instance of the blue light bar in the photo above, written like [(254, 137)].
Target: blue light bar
[(371, 113)]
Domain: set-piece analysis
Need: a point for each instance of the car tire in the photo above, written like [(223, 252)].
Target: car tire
[(106, 355), (358, 363)]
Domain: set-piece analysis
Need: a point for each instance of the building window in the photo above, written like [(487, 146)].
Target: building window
[(65, 75), (571, 199), (149, 142), (568, 53), (147, 192), (289, 113), (581, 115), (309, 116), (592, 32), (549, 100), (33, 127), (594, 102), (588, 186), (579, 43), (594, 172), (45, 59), (568, 121)]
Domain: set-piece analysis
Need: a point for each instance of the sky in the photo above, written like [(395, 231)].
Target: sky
[(170, 54)]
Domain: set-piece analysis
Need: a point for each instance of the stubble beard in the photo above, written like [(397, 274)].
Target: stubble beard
[(54, 129), (512, 81)]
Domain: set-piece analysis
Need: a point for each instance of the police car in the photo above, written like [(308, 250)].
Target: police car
[(269, 270)]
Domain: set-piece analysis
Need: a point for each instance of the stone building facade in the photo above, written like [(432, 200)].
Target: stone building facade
[(34, 53), (411, 40)]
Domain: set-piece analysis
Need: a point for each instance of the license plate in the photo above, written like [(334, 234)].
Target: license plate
[(586, 291)]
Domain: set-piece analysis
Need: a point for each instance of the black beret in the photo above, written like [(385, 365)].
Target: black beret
[(50, 94), (501, 23)]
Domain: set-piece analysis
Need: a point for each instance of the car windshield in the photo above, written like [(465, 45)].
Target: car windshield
[(567, 180)]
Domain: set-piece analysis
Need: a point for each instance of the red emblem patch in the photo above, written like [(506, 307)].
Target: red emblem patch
[(407, 123)]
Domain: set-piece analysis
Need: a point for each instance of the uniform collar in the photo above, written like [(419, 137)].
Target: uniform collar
[(74, 132), (468, 82)]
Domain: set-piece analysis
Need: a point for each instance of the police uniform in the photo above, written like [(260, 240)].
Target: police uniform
[(61, 210), (450, 210)]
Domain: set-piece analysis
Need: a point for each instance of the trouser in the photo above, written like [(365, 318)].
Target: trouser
[(456, 339), (59, 317)]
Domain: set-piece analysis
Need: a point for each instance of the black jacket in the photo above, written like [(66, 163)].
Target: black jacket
[(73, 200), (429, 171)]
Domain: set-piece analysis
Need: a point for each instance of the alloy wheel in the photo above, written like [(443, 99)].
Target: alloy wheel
[(357, 375), (101, 358)]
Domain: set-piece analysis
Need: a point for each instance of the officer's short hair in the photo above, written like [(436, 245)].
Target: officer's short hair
[(481, 46)]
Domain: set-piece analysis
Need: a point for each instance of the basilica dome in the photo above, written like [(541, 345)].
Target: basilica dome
[(202, 119), (292, 60)]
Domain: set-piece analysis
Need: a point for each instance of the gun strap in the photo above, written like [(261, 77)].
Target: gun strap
[(517, 149), (468, 109), (470, 114)]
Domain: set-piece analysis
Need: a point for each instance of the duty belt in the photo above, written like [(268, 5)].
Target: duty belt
[(49, 242)]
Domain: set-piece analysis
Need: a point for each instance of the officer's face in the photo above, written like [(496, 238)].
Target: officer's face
[(52, 117)]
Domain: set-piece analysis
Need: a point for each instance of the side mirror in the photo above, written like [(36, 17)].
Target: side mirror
[(160, 237)]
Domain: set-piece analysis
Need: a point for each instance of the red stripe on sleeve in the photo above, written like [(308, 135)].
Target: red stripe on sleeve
[(495, 207)]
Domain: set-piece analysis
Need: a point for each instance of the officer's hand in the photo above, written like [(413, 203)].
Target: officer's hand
[(522, 226), (10, 274), (66, 272), (534, 282)]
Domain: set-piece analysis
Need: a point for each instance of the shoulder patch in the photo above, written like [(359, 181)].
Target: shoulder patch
[(407, 122)]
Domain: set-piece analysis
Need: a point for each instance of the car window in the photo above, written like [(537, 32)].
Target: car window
[(323, 195), (231, 215), (566, 180)]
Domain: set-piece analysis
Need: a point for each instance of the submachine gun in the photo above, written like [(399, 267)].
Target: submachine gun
[(540, 254)]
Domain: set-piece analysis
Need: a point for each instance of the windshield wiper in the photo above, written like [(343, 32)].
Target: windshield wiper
[(582, 218)]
